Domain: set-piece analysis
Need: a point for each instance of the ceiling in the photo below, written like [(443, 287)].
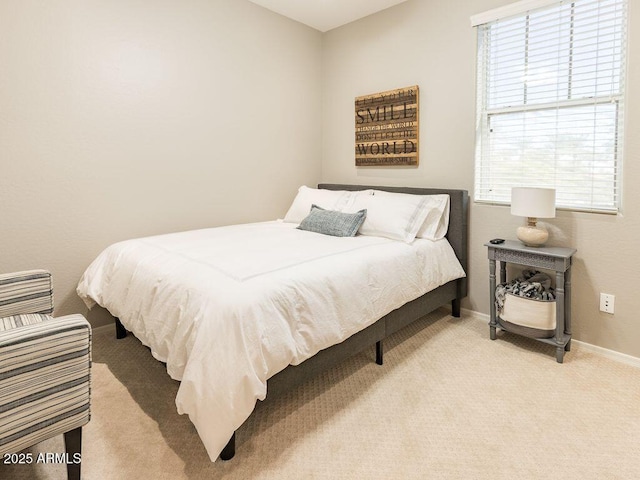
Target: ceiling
[(325, 15)]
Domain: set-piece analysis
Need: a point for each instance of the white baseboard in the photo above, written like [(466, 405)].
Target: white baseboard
[(611, 354), (605, 352)]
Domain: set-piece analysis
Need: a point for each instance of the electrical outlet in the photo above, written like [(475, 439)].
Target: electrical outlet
[(607, 302)]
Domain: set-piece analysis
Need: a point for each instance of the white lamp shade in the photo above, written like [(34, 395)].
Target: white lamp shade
[(533, 202)]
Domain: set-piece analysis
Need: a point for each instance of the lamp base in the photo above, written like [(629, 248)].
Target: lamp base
[(532, 235)]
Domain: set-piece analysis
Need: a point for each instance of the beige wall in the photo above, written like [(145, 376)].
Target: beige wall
[(430, 43), (125, 118)]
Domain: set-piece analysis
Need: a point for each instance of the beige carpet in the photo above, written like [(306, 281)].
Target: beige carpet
[(448, 403)]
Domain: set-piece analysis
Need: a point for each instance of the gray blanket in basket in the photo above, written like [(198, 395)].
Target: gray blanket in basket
[(532, 284)]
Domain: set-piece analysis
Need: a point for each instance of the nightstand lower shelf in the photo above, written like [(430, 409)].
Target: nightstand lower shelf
[(563, 346)]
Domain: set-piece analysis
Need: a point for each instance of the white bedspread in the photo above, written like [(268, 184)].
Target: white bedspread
[(226, 308)]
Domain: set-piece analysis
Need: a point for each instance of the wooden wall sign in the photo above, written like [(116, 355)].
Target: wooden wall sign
[(387, 128)]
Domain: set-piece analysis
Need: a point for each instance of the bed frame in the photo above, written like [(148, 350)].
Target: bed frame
[(374, 334)]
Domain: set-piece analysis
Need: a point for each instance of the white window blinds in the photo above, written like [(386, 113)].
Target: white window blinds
[(550, 104)]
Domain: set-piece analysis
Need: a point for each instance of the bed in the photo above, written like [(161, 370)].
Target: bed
[(240, 310)]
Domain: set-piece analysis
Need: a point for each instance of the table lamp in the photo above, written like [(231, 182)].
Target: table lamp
[(533, 203)]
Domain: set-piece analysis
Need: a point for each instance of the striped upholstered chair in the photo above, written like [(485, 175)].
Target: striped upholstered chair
[(45, 367)]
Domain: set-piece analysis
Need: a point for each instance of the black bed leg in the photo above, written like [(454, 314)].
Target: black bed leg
[(121, 332), (379, 352), (455, 307), (230, 448)]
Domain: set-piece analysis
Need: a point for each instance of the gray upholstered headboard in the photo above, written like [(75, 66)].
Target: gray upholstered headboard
[(458, 217)]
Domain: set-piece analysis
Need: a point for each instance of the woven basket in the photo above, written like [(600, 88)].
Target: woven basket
[(536, 316)]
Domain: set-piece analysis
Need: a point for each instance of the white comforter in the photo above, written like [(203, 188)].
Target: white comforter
[(226, 308)]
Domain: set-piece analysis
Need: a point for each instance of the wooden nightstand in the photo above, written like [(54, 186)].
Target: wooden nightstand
[(557, 259)]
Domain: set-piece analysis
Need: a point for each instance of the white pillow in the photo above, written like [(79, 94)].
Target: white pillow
[(436, 222), (327, 199), (391, 215)]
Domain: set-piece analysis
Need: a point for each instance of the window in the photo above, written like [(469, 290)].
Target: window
[(550, 101)]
